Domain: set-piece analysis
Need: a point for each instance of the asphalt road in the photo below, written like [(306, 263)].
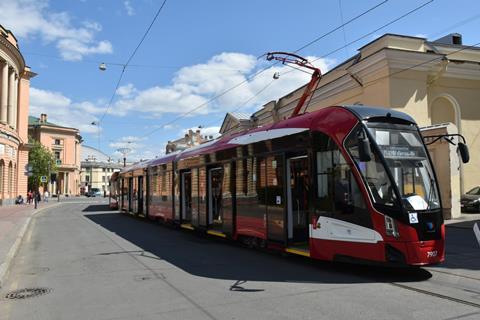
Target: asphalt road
[(97, 264)]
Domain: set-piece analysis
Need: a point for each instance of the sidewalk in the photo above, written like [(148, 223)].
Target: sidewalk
[(14, 221), (465, 221)]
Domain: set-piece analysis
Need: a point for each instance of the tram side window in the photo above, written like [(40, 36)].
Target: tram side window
[(195, 196), (153, 190), (251, 202), (202, 196), (337, 190)]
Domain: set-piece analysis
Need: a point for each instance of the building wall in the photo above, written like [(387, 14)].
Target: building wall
[(14, 104), (416, 77), (68, 175), (462, 96), (98, 176)]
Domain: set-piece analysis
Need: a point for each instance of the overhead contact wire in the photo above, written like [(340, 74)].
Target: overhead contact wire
[(266, 68)]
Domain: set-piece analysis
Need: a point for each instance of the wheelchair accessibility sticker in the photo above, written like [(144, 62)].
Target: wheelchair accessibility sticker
[(413, 218)]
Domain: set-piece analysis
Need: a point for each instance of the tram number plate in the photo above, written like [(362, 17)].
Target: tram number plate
[(432, 254)]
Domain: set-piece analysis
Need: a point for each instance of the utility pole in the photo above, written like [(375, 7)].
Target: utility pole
[(124, 151)]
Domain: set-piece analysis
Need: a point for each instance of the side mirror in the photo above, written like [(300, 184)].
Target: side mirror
[(364, 149), (464, 153)]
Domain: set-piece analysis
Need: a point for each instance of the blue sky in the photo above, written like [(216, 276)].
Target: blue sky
[(194, 51)]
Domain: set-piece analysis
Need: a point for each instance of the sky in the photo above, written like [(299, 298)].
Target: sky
[(195, 51)]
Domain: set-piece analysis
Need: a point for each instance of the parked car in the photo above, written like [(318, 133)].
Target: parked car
[(94, 192), (471, 200)]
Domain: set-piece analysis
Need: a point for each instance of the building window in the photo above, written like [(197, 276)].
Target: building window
[(10, 178), (2, 170), (103, 169), (57, 142), (87, 178), (57, 155), (103, 178)]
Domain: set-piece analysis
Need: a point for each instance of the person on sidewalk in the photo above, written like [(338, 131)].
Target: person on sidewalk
[(35, 198), (29, 196), (19, 199), (45, 196)]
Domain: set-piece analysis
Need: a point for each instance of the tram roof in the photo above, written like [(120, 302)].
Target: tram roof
[(368, 112), (271, 131)]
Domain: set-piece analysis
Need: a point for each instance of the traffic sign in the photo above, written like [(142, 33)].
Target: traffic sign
[(43, 179)]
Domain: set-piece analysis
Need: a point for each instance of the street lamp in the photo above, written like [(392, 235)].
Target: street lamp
[(124, 151)]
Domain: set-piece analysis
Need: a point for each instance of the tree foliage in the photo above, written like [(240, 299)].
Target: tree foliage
[(42, 161)]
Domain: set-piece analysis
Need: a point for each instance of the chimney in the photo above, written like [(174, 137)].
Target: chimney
[(43, 118)]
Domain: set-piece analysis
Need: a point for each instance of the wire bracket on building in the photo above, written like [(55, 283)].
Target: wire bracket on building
[(462, 146)]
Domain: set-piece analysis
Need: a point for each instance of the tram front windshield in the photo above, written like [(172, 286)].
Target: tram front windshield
[(406, 158)]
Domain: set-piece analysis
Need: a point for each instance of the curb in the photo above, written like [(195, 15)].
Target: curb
[(4, 267)]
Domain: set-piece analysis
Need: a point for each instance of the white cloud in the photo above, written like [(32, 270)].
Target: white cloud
[(126, 91), (62, 111), (34, 18), (193, 87), (128, 8)]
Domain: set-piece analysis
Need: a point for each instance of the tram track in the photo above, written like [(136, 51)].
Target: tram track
[(454, 274), (437, 295)]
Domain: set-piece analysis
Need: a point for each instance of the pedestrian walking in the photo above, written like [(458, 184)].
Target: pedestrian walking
[(29, 196), (35, 199), (46, 194)]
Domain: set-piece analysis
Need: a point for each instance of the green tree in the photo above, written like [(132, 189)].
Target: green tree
[(43, 163)]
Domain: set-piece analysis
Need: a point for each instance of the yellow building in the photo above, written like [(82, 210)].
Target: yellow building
[(96, 170), (436, 82), (65, 144), (14, 103)]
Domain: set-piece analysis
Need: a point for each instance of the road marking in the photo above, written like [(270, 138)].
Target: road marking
[(476, 231)]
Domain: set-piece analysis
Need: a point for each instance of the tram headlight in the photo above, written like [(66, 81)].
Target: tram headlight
[(391, 227)]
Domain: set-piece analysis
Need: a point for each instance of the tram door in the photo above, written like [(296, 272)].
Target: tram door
[(140, 195), (215, 216), (130, 192), (297, 193), (186, 196)]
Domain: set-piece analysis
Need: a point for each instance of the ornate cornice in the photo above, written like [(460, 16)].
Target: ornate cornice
[(13, 55), (9, 136)]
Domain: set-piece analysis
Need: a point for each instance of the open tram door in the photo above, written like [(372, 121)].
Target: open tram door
[(186, 199), (215, 212), (140, 197), (298, 188)]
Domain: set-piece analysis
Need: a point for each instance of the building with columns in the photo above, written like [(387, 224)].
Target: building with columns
[(14, 104), (436, 82), (65, 144)]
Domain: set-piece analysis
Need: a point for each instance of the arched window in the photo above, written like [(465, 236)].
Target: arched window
[(2, 172), (10, 178), (444, 109)]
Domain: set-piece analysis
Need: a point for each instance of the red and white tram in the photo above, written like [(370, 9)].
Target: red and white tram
[(343, 183)]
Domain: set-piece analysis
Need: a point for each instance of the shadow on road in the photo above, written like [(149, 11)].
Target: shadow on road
[(220, 259), (97, 208), (462, 247)]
